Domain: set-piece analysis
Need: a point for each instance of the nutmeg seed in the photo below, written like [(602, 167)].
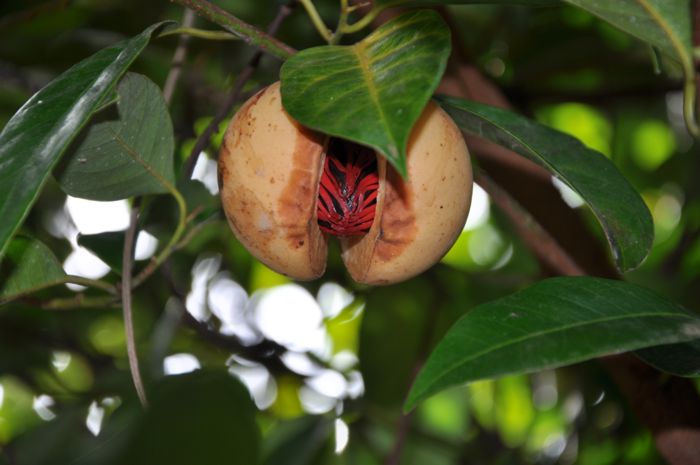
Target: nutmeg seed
[(270, 170)]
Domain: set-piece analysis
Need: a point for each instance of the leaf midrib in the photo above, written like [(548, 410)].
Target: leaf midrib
[(139, 159), (612, 239), (539, 334), (359, 51)]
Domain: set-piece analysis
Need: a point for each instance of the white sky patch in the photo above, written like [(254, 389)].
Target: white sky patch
[(290, 316), (568, 195), (60, 360), (205, 172), (202, 272), (146, 245), (342, 436), (82, 262), (356, 384), (330, 383), (228, 301), (95, 416), (2, 395), (333, 298), (89, 217), (92, 217), (480, 209), (42, 406), (178, 364), (257, 379), (314, 402), (300, 363), (344, 360)]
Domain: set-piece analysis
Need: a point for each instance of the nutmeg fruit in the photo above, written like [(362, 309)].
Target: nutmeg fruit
[(286, 188)]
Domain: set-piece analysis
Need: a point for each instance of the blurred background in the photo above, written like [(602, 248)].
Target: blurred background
[(327, 364)]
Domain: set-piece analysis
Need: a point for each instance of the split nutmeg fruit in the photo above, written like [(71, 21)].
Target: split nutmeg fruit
[(285, 188)]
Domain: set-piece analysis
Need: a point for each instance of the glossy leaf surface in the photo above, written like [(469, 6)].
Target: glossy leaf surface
[(620, 210), (555, 322), (128, 157), (37, 135), (678, 359), (373, 91), (28, 267)]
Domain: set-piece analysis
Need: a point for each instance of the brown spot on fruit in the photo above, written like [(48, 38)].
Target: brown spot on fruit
[(298, 199), (270, 171), (398, 222)]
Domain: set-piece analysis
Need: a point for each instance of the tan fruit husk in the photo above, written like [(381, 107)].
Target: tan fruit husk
[(417, 220), (269, 173), (269, 168)]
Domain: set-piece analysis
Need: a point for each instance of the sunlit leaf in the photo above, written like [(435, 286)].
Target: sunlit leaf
[(620, 210), (678, 359), (128, 157), (37, 135), (373, 91), (556, 322), (28, 267)]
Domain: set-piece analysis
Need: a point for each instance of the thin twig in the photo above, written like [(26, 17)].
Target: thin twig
[(127, 264), (78, 301), (538, 240), (178, 58), (249, 33), (204, 139), (316, 20)]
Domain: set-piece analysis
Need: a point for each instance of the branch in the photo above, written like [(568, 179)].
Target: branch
[(127, 265), (204, 139), (538, 240), (249, 33), (178, 58)]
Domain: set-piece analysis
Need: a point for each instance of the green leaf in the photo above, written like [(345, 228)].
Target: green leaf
[(620, 210), (108, 246), (662, 23), (556, 322), (665, 24), (30, 266), (125, 158), (201, 417), (678, 359), (37, 135), (373, 91)]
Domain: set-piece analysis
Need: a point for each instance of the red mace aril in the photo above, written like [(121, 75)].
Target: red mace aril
[(286, 188), (347, 197)]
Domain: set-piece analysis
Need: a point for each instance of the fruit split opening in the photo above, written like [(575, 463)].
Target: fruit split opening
[(347, 196)]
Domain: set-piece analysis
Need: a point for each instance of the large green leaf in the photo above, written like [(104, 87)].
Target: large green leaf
[(128, 157), (34, 139), (373, 91), (197, 418), (29, 266), (679, 359), (556, 322), (620, 210)]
